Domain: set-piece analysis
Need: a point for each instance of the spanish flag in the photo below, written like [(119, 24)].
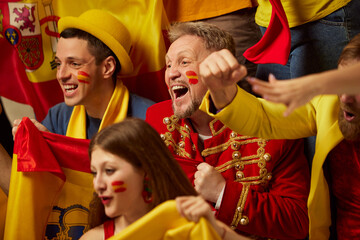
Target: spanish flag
[(28, 41), (165, 223), (50, 187)]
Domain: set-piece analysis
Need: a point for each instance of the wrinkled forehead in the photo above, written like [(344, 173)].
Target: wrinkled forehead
[(189, 45)]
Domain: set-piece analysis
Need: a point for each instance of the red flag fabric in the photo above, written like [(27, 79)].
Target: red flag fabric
[(274, 46), (50, 187)]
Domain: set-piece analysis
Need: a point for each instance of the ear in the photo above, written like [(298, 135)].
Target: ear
[(109, 65)]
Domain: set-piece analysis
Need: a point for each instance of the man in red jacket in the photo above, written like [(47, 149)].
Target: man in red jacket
[(259, 187)]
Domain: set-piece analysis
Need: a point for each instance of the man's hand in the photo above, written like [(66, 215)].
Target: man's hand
[(36, 123), (220, 72), (208, 182)]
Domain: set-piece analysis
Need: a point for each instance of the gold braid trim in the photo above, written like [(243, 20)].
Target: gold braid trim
[(240, 206), (172, 125), (224, 146), (213, 132)]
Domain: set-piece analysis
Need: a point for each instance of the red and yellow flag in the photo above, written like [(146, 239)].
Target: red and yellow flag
[(28, 40), (50, 187)]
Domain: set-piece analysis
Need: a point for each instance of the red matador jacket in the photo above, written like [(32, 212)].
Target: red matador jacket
[(267, 181)]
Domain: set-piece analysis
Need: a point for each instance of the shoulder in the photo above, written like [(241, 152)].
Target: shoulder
[(157, 112), (57, 118), (138, 106), (164, 108), (96, 233)]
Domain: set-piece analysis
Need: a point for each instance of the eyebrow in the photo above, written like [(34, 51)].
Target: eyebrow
[(69, 58)]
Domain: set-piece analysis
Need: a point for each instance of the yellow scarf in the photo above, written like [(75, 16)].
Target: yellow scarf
[(116, 111)]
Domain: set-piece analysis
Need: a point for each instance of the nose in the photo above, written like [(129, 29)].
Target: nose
[(345, 98), (173, 73), (99, 184), (63, 72)]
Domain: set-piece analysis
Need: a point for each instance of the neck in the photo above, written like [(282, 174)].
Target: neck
[(126, 219), (200, 122), (97, 107)]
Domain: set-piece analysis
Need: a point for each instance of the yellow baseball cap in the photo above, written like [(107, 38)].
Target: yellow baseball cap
[(108, 29)]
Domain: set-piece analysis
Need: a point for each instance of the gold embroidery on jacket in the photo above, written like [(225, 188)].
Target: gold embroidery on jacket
[(172, 125), (213, 131), (239, 162)]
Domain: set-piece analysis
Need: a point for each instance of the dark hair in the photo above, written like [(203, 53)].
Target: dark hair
[(351, 51), (96, 47), (214, 37), (138, 143)]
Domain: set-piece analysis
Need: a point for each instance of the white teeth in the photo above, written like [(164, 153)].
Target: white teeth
[(178, 87), (70, 87)]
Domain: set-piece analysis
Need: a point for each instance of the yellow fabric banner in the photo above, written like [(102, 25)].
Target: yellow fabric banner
[(165, 223)]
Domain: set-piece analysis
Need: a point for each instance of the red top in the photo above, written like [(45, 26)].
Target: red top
[(109, 228), (345, 182)]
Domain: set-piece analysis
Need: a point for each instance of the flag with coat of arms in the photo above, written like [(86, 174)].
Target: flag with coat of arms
[(28, 40)]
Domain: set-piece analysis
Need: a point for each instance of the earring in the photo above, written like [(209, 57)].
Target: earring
[(147, 192)]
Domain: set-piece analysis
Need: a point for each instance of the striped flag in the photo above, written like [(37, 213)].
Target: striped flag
[(50, 187), (28, 41)]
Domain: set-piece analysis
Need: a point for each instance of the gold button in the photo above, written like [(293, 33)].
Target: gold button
[(269, 176), (244, 220), (238, 209), (233, 134), (162, 136), (267, 157), (181, 144), (236, 155), (235, 146), (167, 120), (239, 175), (187, 127), (239, 166)]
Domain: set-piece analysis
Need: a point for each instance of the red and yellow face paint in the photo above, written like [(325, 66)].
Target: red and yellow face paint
[(83, 77), (192, 76), (118, 186)]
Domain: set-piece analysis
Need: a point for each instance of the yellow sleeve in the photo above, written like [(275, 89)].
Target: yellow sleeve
[(248, 115)]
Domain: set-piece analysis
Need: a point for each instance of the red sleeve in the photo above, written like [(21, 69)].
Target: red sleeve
[(281, 211)]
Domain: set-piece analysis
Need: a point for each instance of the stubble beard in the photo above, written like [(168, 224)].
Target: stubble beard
[(350, 130), (189, 111)]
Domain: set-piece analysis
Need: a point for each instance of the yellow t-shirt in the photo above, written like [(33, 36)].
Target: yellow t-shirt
[(300, 11), (191, 10)]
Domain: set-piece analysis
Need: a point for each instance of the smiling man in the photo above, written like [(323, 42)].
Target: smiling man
[(90, 56), (237, 174), (335, 120)]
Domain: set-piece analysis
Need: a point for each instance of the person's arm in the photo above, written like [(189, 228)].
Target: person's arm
[(243, 112), (220, 72), (5, 170), (297, 92), (251, 116), (193, 208)]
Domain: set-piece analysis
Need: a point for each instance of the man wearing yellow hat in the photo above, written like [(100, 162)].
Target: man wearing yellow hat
[(92, 51)]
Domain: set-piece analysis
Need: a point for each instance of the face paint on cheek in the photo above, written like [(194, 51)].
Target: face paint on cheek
[(118, 186), (192, 76), (83, 77)]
